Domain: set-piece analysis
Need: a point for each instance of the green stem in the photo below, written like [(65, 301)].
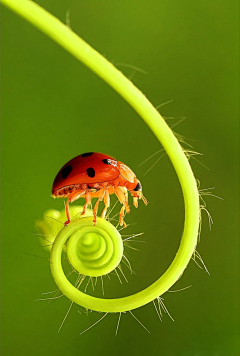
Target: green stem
[(66, 38)]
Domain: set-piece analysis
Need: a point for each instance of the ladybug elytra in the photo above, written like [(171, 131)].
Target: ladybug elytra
[(96, 175)]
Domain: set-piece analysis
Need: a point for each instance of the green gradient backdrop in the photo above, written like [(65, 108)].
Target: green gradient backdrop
[(53, 109)]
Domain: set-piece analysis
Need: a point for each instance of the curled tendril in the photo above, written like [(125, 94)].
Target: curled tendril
[(52, 220), (92, 250), (66, 38)]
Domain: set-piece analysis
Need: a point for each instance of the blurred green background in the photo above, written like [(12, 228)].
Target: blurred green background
[(53, 108)]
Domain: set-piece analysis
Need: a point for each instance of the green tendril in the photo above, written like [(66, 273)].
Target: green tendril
[(92, 250), (66, 38)]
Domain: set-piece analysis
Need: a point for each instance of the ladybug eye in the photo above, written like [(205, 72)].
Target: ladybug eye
[(66, 171), (138, 187)]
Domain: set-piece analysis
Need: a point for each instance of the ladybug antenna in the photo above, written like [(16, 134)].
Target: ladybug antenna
[(144, 200)]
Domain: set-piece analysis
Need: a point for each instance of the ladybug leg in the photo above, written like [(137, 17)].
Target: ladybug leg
[(106, 200), (67, 212), (95, 210), (121, 195), (74, 196), (88, 202), (121, 216), (126, 203)]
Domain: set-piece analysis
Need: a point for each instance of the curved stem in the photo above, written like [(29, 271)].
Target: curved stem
[(66, 38)]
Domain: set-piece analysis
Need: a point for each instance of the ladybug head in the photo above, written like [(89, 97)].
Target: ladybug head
[(137, 194)]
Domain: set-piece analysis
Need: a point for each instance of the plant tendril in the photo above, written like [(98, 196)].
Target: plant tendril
[(72, 43)]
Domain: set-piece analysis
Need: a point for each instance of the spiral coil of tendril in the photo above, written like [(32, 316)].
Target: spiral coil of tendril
[(92, 250)]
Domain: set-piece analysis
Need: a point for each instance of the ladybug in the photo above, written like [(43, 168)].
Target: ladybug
[(96, 175)]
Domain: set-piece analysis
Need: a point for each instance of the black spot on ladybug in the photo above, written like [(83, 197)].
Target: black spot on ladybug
[(87, 154), (138, 187), (106, 161), (91, 172), (66, 171)]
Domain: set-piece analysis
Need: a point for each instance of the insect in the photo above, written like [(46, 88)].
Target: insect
[(96, 175)]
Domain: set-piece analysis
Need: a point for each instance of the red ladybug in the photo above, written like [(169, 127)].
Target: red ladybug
[(92, 175)]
